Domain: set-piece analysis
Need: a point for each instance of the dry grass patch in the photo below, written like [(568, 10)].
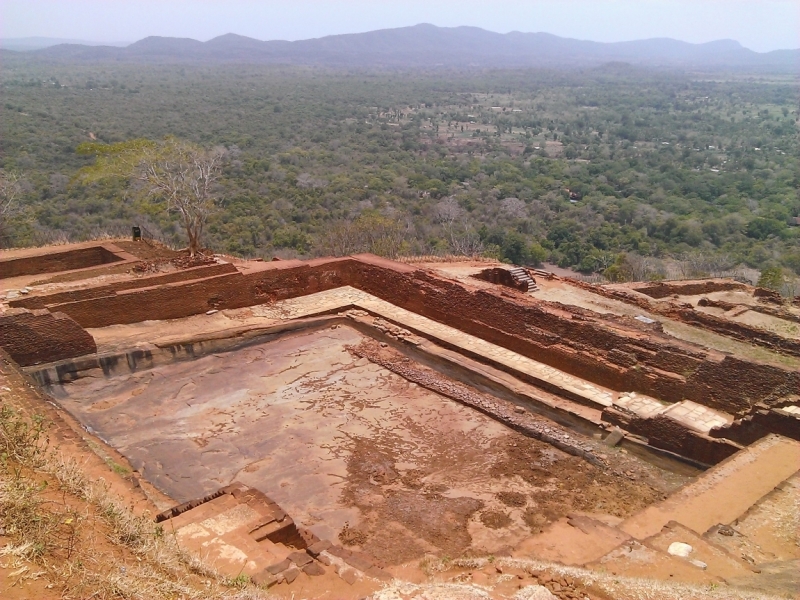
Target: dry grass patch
[(69, 530)]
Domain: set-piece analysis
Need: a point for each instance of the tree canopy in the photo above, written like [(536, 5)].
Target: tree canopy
[(578, 167), (182, 175)]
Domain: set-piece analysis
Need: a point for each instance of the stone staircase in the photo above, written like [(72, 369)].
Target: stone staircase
[(522, 276), (240, 531)]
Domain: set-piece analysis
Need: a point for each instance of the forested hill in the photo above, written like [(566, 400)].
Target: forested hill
[(429, 46)]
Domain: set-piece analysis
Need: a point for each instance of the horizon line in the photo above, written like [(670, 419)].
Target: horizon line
[(121, 44)]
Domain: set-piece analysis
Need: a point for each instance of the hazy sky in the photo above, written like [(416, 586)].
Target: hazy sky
[(761, 25)]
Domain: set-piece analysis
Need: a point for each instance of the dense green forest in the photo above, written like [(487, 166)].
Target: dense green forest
[(575, 168)]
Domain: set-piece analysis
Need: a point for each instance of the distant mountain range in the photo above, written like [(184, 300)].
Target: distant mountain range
[(37, 43), (430, 46)]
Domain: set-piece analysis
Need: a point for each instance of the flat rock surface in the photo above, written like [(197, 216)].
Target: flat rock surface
[(351, 450)]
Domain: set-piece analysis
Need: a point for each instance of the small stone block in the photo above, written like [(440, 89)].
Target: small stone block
[(278, 567), (264, 579), (324, 560), (308, 536), (614, 438), (320, 546), (339, 552), (348, 575), (300, 558), (261, 523), (291, 574), (277, 512), (359, 563), (314, 569)]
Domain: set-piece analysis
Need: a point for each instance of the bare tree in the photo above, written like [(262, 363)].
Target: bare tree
[(514, 208), (644, 268), (185, 176), (633, 267), (10, 193), (182, 175), (461, 238), (370, 232), (694, 264), (701, 263), (447, 211), (721, 264)]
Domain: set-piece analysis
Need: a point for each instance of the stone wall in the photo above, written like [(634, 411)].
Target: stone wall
[(759, 424), (774, 311), (589, 347), (687, 314), (552, 334), (732, 329), (101, 291), (79, 258), (672, 436), (662, 289), (39, 336), (273, 281)]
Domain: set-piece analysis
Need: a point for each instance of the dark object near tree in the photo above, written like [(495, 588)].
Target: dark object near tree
[(137, 234)]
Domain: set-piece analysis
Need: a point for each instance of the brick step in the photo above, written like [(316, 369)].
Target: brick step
[(522, 275), (743, 479), (573, 540), (717, 560), (706, 563), (239, 522)]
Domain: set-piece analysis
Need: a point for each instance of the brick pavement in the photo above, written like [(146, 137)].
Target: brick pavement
[(697, 417)]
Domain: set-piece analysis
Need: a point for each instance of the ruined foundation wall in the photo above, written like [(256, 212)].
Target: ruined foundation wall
[(687, 314), (580, 346), (774, 311), (759, 424), (102, 291), (737, 331), (277, 281), (607, 354), (34, 337), (667, 434), (662, 289), (60, 261)]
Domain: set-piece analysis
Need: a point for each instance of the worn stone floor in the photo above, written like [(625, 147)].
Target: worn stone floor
[(285, 417)]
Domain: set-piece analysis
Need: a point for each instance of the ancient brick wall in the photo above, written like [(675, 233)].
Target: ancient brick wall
[(662, 289), (774, 311), (289, 279), (553, 334), (759, 424), (34, 337), (276, 281), (687, 314), (169, 301), (737, 331), (672, 436), (667, 369), (767, 295), (101, 291), (78, 258)]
